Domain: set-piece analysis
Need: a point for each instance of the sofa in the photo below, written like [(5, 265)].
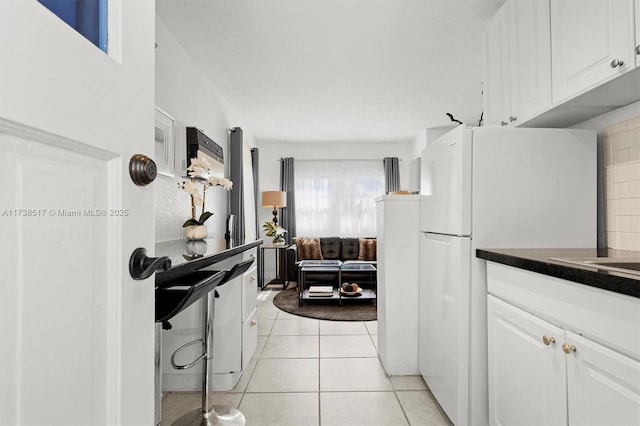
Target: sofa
[(348, 250)]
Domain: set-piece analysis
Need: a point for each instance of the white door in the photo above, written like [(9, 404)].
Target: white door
[(444, 321), (604, 386), (527, 368), (586, 37), (77, 332)]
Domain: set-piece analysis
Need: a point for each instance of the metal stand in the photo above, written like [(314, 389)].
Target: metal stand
[(208, 415)]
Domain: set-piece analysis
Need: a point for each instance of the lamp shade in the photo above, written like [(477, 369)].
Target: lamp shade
[(274, 199)]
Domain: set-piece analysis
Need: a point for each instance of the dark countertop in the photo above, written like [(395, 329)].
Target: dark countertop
[(189, 256), (537, 260)]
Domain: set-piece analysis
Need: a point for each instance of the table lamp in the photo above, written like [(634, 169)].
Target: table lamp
[(275, 200)]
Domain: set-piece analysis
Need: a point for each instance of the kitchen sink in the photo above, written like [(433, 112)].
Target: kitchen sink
[(629, 265)]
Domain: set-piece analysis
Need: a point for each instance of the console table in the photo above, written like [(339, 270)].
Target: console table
[(280, 252)]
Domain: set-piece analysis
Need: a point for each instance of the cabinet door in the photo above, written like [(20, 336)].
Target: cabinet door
[(530, 59), (496, 91), (586, 37), (526, 374), (604, 385), (227, 328)]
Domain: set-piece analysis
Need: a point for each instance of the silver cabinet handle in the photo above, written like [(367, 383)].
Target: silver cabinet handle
[(503, 123), (616, 63), (638, 49), (512, 118)]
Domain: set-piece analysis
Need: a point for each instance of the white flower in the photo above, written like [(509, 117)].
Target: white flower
[(200, 162), (220, 181), (192, 190), (199, 168)]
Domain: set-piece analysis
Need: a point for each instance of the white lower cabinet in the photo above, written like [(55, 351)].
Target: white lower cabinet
[(545, 371), (603, 385), (527, 377)]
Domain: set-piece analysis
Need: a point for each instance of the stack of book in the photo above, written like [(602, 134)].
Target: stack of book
[(321, 290)]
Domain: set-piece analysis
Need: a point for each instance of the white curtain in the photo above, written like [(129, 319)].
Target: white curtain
[(336, 197)]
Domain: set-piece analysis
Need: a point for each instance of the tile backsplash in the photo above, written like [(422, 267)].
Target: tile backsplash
[(621, 151)]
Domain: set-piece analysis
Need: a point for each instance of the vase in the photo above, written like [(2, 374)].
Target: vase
[(196, 248), (195, 232)]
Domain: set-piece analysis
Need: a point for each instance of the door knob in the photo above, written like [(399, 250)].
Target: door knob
[(547, 340), (142, 266), (142, 169), (568, 349), (616, 63)]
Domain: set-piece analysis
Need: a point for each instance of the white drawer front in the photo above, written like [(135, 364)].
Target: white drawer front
[(249, 291), (249, 338)]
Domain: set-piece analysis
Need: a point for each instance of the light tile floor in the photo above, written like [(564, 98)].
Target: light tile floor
[(312, 372)]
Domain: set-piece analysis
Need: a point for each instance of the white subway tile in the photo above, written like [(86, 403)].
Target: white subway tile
[(607, 151), (626, 139), (607, 131), (628, 241), (626, 172), (612, 240), (634, 154), (634, 189), (623, 224), (618, 127), (635, 224), (627, 207), (609, 184), (633, 123), (620, 156), (610, 214), (622, 190)]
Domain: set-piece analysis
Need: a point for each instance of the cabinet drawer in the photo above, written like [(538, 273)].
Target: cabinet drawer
[(609, 318), (249, 338), (249, 291)]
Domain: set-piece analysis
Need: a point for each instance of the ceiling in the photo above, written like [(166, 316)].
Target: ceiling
[(338, 70)]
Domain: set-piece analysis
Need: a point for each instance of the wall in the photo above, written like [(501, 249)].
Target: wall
[(184, 93), (619, 139)]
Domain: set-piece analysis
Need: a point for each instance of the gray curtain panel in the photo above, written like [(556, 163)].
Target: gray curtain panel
[(391, 174), (236, 198), (287, 183)]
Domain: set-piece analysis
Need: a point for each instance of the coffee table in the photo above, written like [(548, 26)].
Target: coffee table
[(320, 267), (362, 273)]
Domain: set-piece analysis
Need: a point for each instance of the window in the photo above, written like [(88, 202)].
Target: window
[(336, 198), (88, 17)]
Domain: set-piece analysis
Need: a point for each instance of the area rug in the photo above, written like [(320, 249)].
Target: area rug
[(351, 310)]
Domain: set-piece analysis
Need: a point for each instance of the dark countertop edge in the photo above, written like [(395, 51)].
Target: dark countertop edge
[(194, 265), (605, 280)]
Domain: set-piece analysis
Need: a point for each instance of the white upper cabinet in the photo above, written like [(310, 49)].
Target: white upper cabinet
[(592, 42), (530, 59), (517, 63), (497, 89)]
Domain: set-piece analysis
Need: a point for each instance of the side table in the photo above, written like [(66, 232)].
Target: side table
[(280, 252)]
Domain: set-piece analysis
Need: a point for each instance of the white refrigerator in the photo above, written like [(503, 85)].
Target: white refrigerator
[(490, 187)]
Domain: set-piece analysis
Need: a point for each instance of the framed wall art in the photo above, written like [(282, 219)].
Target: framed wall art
[(164, 136)]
